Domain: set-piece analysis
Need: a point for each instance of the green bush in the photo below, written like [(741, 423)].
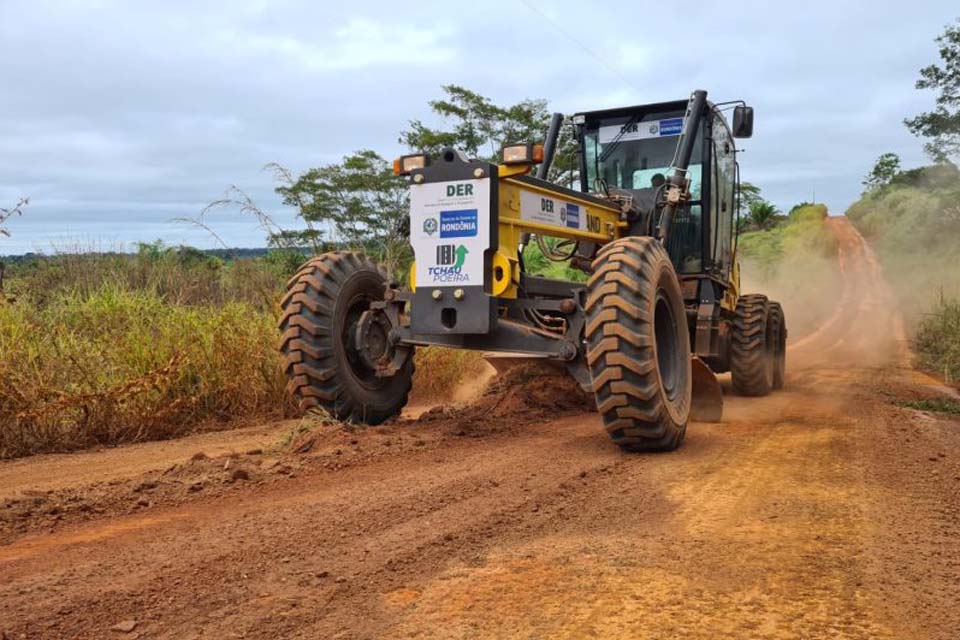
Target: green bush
[(913, 224), (539, 265), (803, 235)]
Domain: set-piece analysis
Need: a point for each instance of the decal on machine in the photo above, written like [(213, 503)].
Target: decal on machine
[(640, 130), (458, 224), (553, 211), (450, 230)]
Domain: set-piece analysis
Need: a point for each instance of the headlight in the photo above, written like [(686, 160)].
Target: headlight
[(525, 153), (403, 165)]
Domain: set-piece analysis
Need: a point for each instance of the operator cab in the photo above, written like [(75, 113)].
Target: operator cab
[(630, 151)]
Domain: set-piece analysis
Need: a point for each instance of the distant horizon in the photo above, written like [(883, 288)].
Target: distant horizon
[(103, 245)]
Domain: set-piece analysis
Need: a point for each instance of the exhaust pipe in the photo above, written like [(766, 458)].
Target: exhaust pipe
[(550, 145), (677, 182)]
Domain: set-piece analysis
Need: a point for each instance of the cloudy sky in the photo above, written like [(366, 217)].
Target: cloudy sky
[(116, 117)]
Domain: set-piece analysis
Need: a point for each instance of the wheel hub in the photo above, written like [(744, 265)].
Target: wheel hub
[(371, 338)]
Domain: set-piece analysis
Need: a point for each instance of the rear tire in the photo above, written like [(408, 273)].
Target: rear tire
[(779, 323), (639, 345), (324, 300), (752, 347)]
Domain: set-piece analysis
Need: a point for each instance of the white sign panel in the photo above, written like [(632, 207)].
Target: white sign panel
[(640, 130), (449, 231), (553, 211)]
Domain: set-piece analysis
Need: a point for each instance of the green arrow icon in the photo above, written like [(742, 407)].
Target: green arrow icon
[(461, 255)]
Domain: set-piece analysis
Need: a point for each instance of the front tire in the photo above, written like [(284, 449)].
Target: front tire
[(639, 345), (324, 369)]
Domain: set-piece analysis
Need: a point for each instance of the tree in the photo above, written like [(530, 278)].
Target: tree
[(942, 125), (763, 215), (360, 202), (480, 128), (359, 199), (886, 169), (749, 194)]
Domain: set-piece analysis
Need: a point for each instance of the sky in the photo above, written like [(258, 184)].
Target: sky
[(118, 117)]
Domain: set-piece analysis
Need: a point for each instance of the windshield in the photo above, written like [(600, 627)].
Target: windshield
[(635, 153)]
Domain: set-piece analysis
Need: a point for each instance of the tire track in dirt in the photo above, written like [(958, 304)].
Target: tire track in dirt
[(865, 327)]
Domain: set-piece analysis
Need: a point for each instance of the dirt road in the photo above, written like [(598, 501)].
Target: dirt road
[(824, 510)]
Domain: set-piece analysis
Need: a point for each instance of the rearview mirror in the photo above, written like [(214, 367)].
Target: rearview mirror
[(742, 121)]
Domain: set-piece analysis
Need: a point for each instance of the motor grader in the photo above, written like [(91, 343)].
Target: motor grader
[(652, 227)]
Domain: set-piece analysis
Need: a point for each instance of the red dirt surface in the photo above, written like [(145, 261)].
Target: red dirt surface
[(824, 510)]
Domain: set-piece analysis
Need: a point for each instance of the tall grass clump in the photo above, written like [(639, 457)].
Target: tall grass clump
[(937, 340), (440, 371), (117, 365), (101, 348)]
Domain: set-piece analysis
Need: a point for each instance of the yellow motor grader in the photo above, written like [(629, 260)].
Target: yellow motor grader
[(652, 226)]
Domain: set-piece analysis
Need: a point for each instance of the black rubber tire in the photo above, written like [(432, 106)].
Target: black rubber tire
[(778, 322), (638, 345), (323, 300), (752, 347)]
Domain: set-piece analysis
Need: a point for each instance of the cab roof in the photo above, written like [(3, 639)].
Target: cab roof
[(653, 107)]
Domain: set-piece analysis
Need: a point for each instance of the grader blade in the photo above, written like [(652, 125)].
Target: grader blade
[(707, 401), (503, 362)]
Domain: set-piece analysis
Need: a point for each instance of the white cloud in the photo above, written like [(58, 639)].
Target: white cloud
[(358, 44), (117, 116)]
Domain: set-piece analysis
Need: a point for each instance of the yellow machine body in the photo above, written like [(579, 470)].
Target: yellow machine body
[(604, 224)]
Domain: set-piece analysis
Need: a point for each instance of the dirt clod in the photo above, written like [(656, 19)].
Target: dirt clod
[(126, 626)]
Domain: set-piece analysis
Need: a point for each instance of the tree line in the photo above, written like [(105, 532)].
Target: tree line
[(939, 127)]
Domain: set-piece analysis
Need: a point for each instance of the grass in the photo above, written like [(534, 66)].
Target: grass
[(105, 348), (440, 371), (118, 365), (936, 340), (935, 405), (100, 348)]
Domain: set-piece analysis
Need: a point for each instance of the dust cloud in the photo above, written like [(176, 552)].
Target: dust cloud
[(840, 312)]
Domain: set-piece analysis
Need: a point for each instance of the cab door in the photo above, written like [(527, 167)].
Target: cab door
[(723, 169)]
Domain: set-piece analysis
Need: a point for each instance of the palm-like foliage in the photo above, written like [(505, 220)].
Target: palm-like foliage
[(763, 215)]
